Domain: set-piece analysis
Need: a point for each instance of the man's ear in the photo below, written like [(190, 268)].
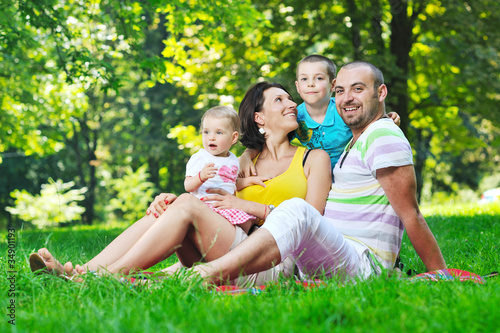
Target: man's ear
[(382, 92), (236, 135)]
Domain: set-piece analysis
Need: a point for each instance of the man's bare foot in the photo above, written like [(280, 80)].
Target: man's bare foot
[(52, 264), (80, 269), (207, 274)]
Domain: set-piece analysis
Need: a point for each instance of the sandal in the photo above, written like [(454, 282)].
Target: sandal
[(37, 264)]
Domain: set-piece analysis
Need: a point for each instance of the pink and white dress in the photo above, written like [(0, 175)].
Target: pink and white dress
[(225, 179)]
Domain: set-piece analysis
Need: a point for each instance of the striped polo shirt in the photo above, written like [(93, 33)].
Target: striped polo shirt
[(357, 205)]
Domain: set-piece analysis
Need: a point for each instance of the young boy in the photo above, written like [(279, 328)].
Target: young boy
[(320, 125)]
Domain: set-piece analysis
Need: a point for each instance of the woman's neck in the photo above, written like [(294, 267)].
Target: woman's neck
[(276, 149)]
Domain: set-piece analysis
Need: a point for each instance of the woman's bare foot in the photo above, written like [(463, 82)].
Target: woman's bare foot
[(52, 264)]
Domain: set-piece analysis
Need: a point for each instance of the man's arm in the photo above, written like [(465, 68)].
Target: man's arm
[(399, 184)]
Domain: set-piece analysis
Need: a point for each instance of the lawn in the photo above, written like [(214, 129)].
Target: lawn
[(468, 236)]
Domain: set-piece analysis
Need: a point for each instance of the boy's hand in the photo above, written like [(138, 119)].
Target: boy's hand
[(208, 171), (395, 117)]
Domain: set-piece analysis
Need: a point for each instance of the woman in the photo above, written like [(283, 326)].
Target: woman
[(188, 227)]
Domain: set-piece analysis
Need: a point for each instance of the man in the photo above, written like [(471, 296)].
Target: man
[(371, 202)]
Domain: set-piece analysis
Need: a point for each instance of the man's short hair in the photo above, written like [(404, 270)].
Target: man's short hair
[(378, 77)]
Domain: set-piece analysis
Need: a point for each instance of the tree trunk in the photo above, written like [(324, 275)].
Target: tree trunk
[(422, 148), (400, 46), (401, 43)]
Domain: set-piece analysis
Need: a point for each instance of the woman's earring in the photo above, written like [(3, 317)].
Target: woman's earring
[(262, 131)]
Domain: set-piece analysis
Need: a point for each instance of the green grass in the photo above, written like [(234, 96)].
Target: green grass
[(469, 238)]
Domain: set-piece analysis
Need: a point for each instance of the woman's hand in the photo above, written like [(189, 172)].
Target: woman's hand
[(241, 183), (247, 168), (160, 204), (221, 199)]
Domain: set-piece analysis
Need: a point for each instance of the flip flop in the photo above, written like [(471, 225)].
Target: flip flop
[(37, 264)]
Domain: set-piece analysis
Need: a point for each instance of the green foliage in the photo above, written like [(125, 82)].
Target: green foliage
[(188, 138), (133, 194), (57, 203)]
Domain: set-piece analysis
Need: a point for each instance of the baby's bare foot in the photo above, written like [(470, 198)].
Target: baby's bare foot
[(52, 264)]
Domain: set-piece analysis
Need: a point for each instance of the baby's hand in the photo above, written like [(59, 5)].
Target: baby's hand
[(208, 171)]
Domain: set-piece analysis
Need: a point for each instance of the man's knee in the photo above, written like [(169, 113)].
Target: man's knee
[(298, 204), (296, 212)]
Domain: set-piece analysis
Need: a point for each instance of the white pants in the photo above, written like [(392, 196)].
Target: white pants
[(314, 244)]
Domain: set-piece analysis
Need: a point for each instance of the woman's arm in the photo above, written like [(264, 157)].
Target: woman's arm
[(241, 183), (247, 168), (317, 170), (319, 178)]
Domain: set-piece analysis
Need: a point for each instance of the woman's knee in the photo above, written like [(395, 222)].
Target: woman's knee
[(186, 204)]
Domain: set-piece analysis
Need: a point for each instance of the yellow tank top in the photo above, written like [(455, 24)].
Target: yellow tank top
[(290, 184)]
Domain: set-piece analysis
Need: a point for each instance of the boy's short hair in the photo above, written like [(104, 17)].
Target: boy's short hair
[(223, 111), (330, 66)]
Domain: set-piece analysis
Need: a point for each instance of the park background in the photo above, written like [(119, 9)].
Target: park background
[(101, 100), (100, 108)]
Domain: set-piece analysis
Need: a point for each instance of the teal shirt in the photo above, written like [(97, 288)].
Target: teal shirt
[(332, 135)]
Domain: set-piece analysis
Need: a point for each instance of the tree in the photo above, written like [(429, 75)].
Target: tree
[(80, 61), (435, 66)]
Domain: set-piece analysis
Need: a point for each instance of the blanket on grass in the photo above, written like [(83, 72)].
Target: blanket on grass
[(449, 274)]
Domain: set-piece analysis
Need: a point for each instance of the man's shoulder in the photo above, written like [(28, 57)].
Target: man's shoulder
[(384, 128), (385, 146)]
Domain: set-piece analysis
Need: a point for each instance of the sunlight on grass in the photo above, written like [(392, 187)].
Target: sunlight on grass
[(462, 209)]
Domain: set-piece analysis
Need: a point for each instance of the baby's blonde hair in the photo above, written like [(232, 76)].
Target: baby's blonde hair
[(222, 111)]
